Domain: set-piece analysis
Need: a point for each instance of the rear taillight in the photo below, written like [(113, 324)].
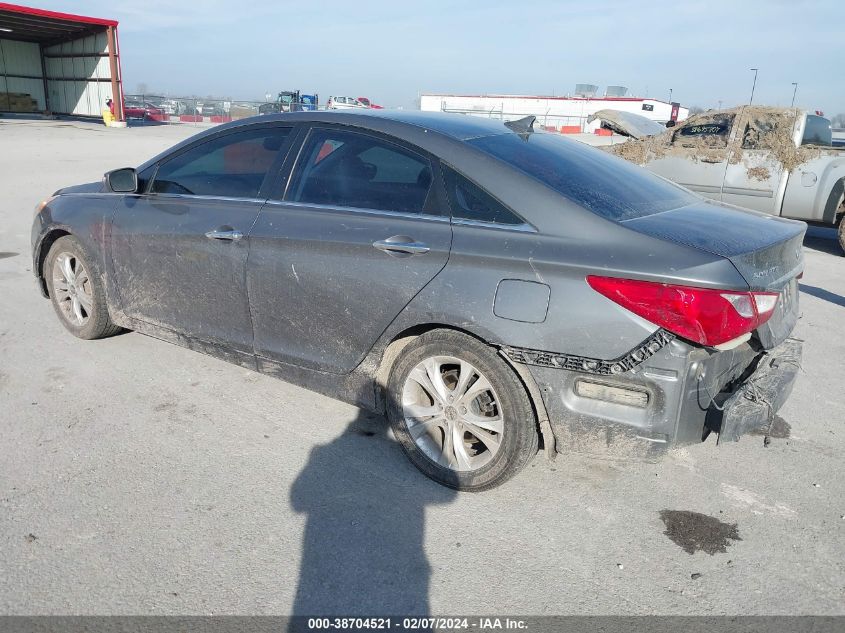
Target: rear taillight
[(706, 316)]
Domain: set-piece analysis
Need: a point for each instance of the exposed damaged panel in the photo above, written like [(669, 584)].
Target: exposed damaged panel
[(645, 350), (627, 123), (758, 399)]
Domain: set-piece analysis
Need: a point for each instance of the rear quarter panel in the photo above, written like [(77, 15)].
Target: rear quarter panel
[(814, 189), (568, 244)]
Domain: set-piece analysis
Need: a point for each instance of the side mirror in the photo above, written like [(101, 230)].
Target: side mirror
[(123, 180)]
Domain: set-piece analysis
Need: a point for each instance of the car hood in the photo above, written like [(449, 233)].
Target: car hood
[(88, 187), (766, 250), (627, 123)]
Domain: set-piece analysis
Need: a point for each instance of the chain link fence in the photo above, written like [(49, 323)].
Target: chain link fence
[(152, 109)]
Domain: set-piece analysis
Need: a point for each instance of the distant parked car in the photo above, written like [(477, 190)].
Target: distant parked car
[(480, 283), (171, 106), (369, 104), (344, 103), (212, 108), (141, 110)]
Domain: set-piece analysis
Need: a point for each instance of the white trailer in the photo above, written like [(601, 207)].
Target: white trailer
[(562, 114)]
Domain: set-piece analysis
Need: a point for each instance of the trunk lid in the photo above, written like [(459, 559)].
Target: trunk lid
[(766, 250)]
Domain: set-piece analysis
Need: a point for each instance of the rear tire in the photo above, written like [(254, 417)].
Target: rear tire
[(840, 232), (472, 426), (76, 290)]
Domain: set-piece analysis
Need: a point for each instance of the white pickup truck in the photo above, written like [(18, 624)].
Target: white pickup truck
[(776, 160)]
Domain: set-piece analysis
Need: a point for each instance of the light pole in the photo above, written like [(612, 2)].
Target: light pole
[(670, 95), (720, 104), (794, 91), (753, 86)]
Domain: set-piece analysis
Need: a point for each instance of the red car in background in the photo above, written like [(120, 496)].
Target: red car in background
[(142, 110), (369, 104)]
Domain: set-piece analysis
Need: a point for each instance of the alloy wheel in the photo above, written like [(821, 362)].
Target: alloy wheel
[(72, 286), (452, 413)]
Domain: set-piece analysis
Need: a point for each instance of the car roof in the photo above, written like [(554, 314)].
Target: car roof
[(437, 132), (458, 126)]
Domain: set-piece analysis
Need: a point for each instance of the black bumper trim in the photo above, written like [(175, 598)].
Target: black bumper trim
[(627, 362)]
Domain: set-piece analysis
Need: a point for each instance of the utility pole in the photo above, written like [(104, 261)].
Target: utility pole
[(670, 95), (754, 85), (794, 91), (720, 104)]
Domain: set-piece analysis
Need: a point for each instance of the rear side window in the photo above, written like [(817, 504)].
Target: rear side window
[(351, 169), (471, 202), (233, 165), (608, 186), (705, 132), (817, 131)]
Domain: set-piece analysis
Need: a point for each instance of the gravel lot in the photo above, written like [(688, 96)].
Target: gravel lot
[(137, 477)]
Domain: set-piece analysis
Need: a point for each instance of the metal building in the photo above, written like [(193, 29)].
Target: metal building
[(58, 62)]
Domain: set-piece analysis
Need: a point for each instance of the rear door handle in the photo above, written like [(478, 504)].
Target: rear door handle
[(224, 233), (400, 245)]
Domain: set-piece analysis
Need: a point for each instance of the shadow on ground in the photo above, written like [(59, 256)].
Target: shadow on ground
[(363, 547), (821, 293), (823, 240)]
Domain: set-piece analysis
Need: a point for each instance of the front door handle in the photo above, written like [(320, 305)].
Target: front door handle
[(401, 245), (224, 233)]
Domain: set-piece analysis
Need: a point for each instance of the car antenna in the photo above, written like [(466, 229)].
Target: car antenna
[(525, 125)]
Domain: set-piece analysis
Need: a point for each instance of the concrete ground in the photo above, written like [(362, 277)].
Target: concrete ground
[(137, 477)]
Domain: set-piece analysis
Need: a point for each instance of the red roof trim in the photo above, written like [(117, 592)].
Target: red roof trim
[(81, 19)]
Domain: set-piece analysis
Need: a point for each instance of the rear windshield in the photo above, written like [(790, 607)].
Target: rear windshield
[(817, 131), (604, 184)]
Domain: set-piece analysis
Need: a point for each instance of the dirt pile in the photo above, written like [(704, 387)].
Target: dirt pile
[(762, 128), (758, 173), (772, 129)]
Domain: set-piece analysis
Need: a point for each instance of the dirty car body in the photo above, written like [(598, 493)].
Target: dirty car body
[(601, 286)]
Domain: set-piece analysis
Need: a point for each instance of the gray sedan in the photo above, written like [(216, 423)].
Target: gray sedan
[(489, 288)]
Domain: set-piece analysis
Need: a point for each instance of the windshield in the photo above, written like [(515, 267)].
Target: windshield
[(604, 184)]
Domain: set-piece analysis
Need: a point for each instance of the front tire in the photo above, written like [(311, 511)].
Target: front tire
[(460, 412), (76, 291), (840, 231)]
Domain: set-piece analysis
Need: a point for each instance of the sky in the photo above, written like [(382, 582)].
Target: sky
[(391, 51)]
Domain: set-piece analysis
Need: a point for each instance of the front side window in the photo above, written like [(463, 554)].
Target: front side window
[(471, 202), (350, 169), (233, 165), (711, 132)]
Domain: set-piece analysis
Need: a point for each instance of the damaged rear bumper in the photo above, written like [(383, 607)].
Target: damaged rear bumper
[(753, 403), (676, 394)]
